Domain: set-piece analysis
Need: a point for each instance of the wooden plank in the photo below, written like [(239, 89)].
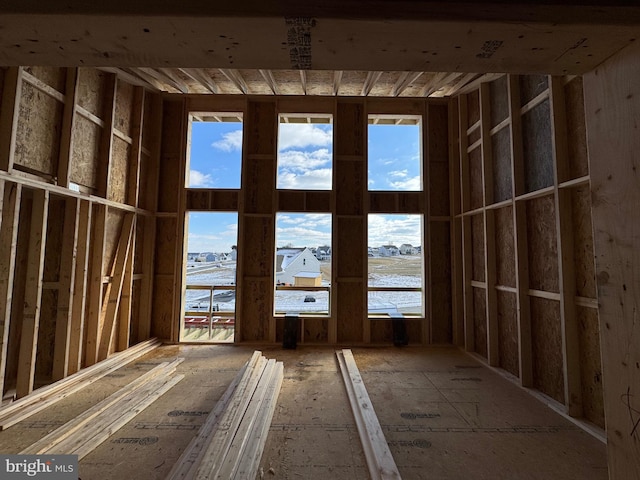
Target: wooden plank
[(98, 235), (66, 279), (33, 294), (9, 113), (253, 451), (111, 302), (612, 103), (49, 441), (380, 462), (192, 455), (124, 322), (217, 449), (67, 129), (81, 277), (467, 275), (54, 392), (9, 217)]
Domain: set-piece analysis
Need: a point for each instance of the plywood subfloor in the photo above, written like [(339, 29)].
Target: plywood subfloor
[(445, 416)]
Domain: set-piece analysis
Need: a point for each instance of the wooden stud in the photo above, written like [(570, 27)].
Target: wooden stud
[(9, 114), (67, 131), (133, 188), (9, 217), (33, 294), (106, 139), (66, 279), (126, 300), (525, 345), (95, 283), (112, 299), (566, 268), (76, 346)]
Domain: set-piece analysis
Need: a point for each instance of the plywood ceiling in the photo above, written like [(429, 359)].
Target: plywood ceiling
[(349, 47)]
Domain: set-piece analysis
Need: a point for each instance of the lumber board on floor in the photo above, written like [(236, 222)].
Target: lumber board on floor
[(47, 396), (47, 443), (380, 462)]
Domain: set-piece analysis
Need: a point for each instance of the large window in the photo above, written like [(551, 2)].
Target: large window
[(215, 150), (395, 265), (395, 153), (210, 295), (303, 263), (305, 152)]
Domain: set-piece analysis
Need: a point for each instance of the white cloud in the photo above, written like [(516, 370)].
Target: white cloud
[(199, 179), (411, 184), (394, 230), (302, 237), (305, 180), (398, 173), (230, 141), (304, 160), (303, 135)]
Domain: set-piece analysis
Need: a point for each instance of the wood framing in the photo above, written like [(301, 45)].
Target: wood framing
[(9, 114)]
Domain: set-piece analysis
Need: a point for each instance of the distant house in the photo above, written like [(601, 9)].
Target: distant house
[(323, 253), (293, 261), (408, 249), (207, 257), (389, 251)]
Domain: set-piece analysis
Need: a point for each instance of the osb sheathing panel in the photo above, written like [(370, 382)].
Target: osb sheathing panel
[(119, 172), (2, 72), (113, 231), (350, 184), (505, 247), (439, 188), (170, 183), (473, 107), (258, 257), (381, 331), (289, 200), (280, 331), (349, 129), (54, 240), (261, 123), (86, 151), (508, 332), (350, 311), (55, 77), (437, 130), (576, 129), (255, 309), (474, 136), (163, 294), (477, 245), (138, 252), (411, 202), (499, 100), (590, 365), (258, 180), (38, 132), (90, 88), (546, 339), (480, 320), (165, 246), (531, 86), (136, 294), (350, 235), (537, 147), (475, 178), (501, 154), (441, 308), (583, 243), (46, 336), (316, 330), (123, 119), (542, 244)]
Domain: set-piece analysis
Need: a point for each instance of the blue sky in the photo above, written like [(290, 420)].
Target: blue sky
[(304, 162)]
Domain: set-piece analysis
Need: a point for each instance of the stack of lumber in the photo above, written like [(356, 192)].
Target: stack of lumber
[(89, 429), (229, 444), (47, 396), (376, 450)]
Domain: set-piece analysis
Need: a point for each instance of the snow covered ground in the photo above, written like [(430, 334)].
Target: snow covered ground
[(289, 301)]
